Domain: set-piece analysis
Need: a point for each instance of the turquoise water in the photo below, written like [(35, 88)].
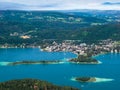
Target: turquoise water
[(60, 74)]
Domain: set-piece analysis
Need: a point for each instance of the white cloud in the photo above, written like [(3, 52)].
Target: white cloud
[(64, 4)]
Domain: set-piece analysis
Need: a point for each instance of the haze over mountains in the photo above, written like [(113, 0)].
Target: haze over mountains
[(59, 5), (10, 6)]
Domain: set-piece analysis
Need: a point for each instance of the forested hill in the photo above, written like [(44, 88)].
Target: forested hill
[(29, 27), (51, 20), (31, 84)]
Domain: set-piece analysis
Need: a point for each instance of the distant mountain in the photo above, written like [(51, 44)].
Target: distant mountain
[(11, 6), (111, 3), (16, 6), (92, 11), (109, 15)]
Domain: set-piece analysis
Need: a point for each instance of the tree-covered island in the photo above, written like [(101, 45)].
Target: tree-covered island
[(35, 62), (85, 79), (82, 59)]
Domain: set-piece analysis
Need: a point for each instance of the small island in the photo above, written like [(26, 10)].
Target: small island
[(31, 84), (91, 79), (86, 79), (84, 59), (35, 62)]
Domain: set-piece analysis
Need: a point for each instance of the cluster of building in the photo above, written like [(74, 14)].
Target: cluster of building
[(21, 35), (83, 48), (70, 46)]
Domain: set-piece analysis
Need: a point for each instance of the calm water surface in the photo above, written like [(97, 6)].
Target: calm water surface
[(60, 74)]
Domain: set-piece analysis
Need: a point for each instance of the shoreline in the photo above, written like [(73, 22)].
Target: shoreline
[(68, 60), (17, 47)]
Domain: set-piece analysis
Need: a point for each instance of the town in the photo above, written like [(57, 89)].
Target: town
[(74, 46), (103, 46)]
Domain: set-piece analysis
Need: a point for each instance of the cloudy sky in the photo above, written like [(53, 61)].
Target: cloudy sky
[(60, 4)]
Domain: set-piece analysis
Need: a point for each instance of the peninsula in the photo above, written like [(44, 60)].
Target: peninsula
[(84, 51)]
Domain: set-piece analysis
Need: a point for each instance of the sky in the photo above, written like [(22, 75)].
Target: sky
[(60, 4)]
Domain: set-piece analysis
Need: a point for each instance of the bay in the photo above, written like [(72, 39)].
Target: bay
[(60, 74)]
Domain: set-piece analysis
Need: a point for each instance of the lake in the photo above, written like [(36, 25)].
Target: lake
[(60, 74)]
